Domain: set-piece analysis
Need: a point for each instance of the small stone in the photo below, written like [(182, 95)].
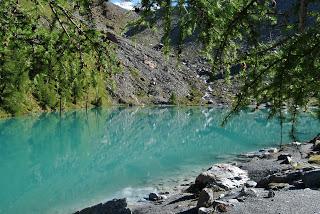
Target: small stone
[(277, 186), (273, 150), (154, 197), (296, 143), (284, 156), (233, 201), (271, 194), (287, 160), (205, 198), (316, 145), (203, 210), (251, 183), (221, 206), (248, 192)]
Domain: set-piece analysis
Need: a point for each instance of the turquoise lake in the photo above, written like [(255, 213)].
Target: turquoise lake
[(50, 164)]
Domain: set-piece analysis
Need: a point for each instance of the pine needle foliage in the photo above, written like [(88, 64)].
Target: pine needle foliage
[(51, 52), (277, 46)]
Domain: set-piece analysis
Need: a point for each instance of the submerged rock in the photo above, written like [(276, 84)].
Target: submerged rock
[(225, 176), (115, 206)]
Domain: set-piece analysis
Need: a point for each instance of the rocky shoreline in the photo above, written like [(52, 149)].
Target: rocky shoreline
[(284, 180)]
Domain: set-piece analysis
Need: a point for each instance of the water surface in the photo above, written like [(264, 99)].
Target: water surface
[(53, 165)]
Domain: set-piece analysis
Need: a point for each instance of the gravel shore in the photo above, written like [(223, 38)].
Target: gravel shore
[(274, 180)]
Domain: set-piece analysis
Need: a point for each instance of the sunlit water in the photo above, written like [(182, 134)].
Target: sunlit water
[(53, 165)]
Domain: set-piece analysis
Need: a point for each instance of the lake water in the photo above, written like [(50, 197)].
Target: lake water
[(53, 165)]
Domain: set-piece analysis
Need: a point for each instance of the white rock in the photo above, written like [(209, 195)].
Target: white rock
[(296, 143), (223, 175)]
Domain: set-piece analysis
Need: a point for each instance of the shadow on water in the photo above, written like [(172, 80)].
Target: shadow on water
[(50, 164)]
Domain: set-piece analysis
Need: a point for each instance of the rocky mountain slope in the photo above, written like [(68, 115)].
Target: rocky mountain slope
[(148, 77)]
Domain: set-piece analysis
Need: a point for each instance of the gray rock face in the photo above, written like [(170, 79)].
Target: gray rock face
[(225, 176), (115, 206), (311, 179), (206, 198)]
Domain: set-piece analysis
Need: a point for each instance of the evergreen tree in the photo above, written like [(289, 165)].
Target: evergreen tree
[(51, 53), (277, 46)]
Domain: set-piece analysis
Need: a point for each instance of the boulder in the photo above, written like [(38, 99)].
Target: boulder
[(311, 179), (225, 176), (206, 198), (115, 206)]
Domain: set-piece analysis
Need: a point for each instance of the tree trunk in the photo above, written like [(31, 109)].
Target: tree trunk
[(303, 15)]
